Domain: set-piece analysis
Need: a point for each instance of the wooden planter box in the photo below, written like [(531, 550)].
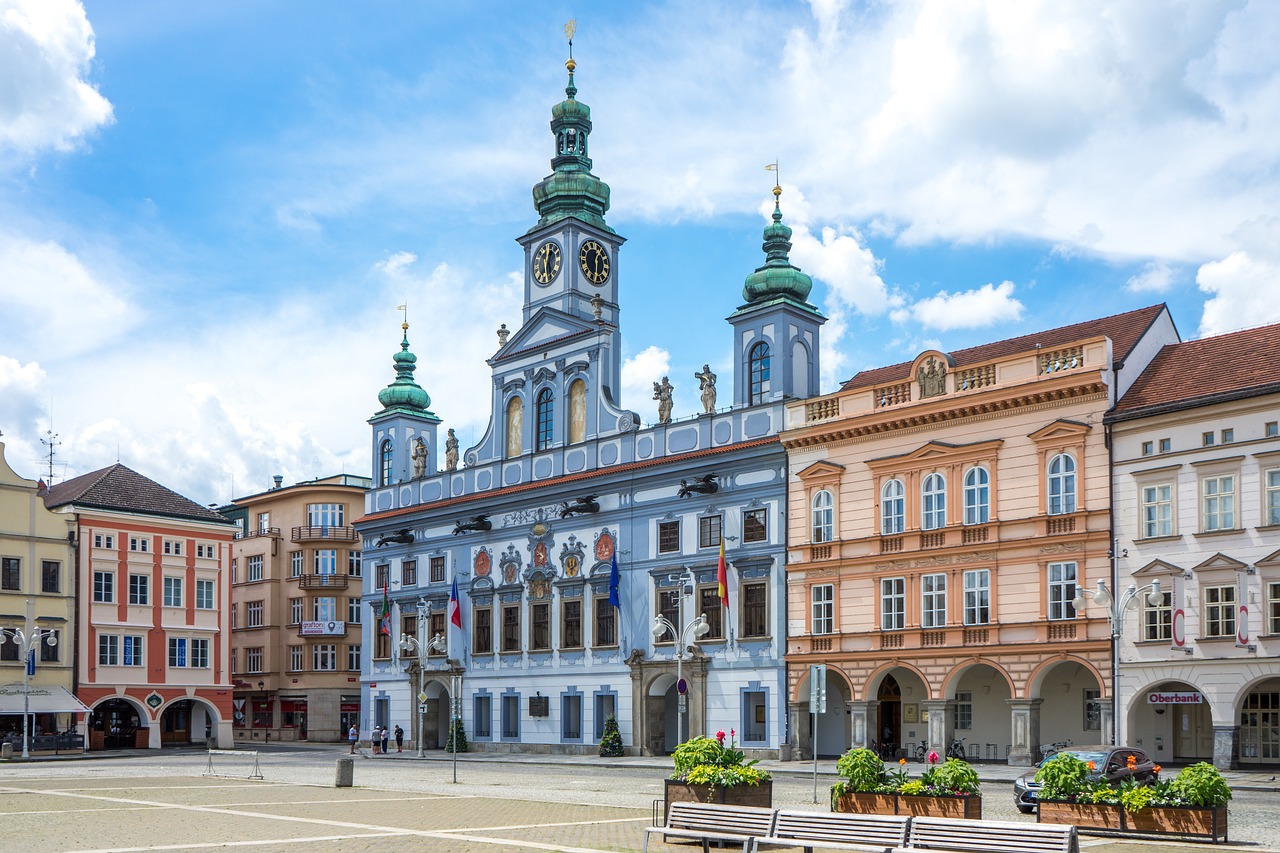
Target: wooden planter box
[(1186, 821), (959, 808), (739, 795)]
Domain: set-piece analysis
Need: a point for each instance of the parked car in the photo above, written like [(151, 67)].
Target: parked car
[(1111, 763)]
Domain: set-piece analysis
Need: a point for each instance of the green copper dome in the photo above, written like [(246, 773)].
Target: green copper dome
[(404, 393), (778, 277), (571, 190)]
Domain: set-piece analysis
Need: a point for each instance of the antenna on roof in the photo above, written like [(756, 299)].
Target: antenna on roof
[(52, 443)]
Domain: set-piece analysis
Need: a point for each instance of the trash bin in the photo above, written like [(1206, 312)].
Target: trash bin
[(346, 772), (6, 751)]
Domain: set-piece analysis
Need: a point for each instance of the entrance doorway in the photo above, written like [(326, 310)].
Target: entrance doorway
[(890, 734), (1192, 732), (1260, 727), (115, 724)]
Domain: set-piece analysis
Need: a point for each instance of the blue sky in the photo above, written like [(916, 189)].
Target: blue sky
[(210, 211)]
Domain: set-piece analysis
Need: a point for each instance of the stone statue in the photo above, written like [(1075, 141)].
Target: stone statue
[(503, 334), (662, 393), (707, 383), (419, 457), (451, 452), (932, 376)]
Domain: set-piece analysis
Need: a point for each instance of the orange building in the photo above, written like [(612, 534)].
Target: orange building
[(153, 643), (943, 512)]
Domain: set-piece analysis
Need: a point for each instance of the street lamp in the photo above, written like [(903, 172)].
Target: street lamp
[(28, 640), (691, 633), (1115, 613), (421, 647)]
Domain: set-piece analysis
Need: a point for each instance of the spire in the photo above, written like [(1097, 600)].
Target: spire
[(405, 394), (571, 190), (778, 278)]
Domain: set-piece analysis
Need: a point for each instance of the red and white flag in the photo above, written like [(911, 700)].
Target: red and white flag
[(455, 606)]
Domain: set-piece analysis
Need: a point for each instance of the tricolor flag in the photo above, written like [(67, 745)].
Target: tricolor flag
[(386, 613), (722, 578), (455, 607), (613, 580)]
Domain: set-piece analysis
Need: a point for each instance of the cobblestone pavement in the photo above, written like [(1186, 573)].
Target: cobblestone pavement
[(161, 801)]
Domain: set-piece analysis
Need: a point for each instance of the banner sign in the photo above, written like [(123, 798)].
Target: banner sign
[(323, 629)]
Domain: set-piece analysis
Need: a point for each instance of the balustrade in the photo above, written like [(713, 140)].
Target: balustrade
[(893, 395), (820, 410)]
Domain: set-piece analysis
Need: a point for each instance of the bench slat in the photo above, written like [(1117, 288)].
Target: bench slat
[(712, 821), (990, 836), (836, 830)]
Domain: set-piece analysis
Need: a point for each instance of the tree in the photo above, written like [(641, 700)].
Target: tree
[(611, 741), (457, 730)]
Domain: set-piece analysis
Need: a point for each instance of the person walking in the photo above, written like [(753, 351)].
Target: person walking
[(375, 739), (399, 739), (386, 736), (353, 735)]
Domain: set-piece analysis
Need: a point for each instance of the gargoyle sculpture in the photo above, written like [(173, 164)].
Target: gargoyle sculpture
[(704, 485), (400, 537), (580, 505), (478, 522)]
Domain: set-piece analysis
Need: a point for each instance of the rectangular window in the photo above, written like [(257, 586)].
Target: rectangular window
[(482, 630), (1228, 436), (382, 576), (540, 626), (10, 573), (140, 544), (409, 627), (1206, 439), (977, 597), (1271, 500), (353, 564), (353, 657), (173, 547), (755, 525), (326, 562), (710, 605), (50, 576), (178, 652), (1157, 510), (133, 655), (409, 573), (1272, 429), (325, 608), (253, 659), (295, 611), (295, 564), (326, 515), (104, 540), (669, 609), (204, 595), (48, 653), (933, 601), (511, 716), (668, 537), (264, 522), (235, 570), (1148, 447), (1062, 590), (8, 651), (1220, 611), (353, 610), (755, 610), (822, 598), (606, 627), (108, 650), (606, 707), (295, 658), (200, 653), (1092, 710), (482, 716), (1217, 503), (204, 551), (709, 530), (1273, 609), (436, 629), (1157, 619), (139, 589), (437, 570), (253, 614), (571, 717), (1166, 445), (253, 567), (511, 627), (893, 604), (571, 623), (104, 587), (964, 710), (324, 657)]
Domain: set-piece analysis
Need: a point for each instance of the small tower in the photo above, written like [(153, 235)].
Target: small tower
[(403, 421), (776, 330)]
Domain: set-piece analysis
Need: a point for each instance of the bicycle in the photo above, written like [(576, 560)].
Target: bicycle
[(956, 749), (922, 751), (1048, 750)]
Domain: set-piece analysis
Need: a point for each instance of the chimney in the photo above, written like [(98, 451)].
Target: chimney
[(279, 480)]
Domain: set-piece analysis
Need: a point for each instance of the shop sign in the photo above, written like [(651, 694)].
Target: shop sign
[(323, 629), (1191, 697)]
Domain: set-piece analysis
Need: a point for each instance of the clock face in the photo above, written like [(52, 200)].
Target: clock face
[(546, 262), (594, 260)]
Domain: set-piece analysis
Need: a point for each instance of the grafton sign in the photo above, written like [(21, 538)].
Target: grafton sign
[(1189, 698)]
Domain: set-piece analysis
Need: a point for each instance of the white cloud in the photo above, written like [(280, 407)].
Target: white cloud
[(1242, 290), (46, 47), (638, 375), (1156, 277), (987, 306)]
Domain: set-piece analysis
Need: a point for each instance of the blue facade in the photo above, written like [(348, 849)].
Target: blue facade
[(564, 481)]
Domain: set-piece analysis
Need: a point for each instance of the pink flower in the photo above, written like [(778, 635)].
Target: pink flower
[(933, 757), (720, 736), (733, 732)]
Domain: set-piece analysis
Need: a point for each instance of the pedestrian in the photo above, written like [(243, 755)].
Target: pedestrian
[(375, 739), (399, 739), (353, 735), (386, 736)]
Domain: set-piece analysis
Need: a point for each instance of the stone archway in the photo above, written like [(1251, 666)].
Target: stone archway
[(654, 700), (118, 723), (188, 721)]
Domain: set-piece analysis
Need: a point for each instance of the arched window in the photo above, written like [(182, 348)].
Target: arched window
[(577, 411), (933, 504), (545, 413), (758, 370), (1062, 484), (384, 464), (821, 516), (977, 496), (893, 508), (515, 427)]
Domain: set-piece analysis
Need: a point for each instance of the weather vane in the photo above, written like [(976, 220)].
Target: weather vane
[(773, 167), (569, 29), (405, 309)]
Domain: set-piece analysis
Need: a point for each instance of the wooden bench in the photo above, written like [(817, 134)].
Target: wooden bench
[(709, 822), (836, 831), (989, 836)]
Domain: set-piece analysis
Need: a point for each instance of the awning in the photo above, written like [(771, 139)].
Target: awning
[(42, 700)]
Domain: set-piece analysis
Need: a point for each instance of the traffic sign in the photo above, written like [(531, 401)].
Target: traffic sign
[(422, 697), (682, 687), (422, 709)]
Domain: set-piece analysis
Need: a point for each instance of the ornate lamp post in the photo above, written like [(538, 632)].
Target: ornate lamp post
[(1116, 610), (28, 640), (690, 633), (421, 647)]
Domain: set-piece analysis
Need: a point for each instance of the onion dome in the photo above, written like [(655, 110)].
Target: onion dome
[(778, 277), (404, 393), (571, 190)]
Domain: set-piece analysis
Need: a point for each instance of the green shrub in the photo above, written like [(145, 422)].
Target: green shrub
[(708, 761), (611, 740), (1062, 777), (1201, 785), (953, 776), (863, 771)]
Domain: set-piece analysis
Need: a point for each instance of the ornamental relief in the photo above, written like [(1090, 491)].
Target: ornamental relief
[(1062, 548), (530, 516)]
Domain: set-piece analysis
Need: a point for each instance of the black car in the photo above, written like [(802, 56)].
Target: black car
[(1110, 762)]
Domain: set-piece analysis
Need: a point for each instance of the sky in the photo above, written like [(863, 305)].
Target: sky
[(209, 212)]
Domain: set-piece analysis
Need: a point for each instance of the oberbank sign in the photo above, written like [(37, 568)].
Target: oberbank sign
[(1190, 698)]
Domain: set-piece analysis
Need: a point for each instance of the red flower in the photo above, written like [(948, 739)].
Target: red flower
[(720, 736), (933, 757)]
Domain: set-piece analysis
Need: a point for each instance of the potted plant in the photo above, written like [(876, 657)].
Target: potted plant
[(949, 789), (611, 740), (709, 771)]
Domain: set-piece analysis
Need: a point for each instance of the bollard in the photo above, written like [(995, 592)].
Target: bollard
[(6, 752), (346, 772)]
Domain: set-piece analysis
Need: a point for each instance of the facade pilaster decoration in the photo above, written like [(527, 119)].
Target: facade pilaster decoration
[(1024, 730), (862, 723), (940, 722)]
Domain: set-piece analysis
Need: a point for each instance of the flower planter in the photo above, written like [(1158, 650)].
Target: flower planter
[(739, 795), (866, 803), (962, 808), (1209, 824)]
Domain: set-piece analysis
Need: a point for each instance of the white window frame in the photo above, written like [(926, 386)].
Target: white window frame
[(933, 601), (1157, 619), (324, 608), (172, 596), (977, 597), (353, 610), (144, 582), (206, 594), (108, 650), (295, 611), (822, 598), (1157, 510), (295, 658), (893, 604), (253, 611), (326, 515), (104, 587), (977, 495), (253, 567), (1061, 580), (821, 516), (295, 564), (326, 561), (199, 653), (1271, 497), (933, 501), (893, 507), (1219, 611), (1218, 502), (324, 657), (1062, 481), (141, 544)]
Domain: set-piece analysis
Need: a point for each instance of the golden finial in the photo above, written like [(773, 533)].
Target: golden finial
[(777, 181)]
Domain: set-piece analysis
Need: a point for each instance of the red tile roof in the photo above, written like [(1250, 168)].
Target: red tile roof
[(1124, 330), (1183, 375), (120, 488)]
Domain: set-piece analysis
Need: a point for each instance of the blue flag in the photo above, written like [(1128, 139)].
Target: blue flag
[(613, 581)]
